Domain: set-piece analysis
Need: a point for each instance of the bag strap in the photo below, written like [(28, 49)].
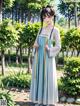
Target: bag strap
[(40, 30), (50, 33)]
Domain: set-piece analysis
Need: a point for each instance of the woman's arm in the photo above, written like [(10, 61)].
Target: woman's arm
[(54, 50)]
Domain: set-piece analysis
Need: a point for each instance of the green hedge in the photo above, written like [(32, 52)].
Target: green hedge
[(20, 80), (71, 79), (13, 58)]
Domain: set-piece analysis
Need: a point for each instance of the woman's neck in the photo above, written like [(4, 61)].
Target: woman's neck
[(48, 25)]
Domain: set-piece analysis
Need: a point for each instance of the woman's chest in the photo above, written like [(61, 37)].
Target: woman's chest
[(42, 41)]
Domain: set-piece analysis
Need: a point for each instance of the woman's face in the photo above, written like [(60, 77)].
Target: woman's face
[(47, 19)]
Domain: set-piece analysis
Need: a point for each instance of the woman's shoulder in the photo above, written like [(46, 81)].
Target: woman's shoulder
[(56, 29), (56, 32)]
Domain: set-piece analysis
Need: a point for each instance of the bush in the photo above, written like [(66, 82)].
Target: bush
[(20, 80), (8, 98), (71, 40), (71, 79)]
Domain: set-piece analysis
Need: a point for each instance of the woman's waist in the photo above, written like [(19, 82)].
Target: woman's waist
[(42, 38)]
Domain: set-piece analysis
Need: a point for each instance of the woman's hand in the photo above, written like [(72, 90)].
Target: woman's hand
[(47, 47), (36, 46)]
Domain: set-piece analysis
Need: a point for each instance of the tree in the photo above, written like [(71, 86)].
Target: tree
[(72, 40), (7, 39), (27, 10), (62, 22), (19, 28), (69, 9), (7, 4), (29, 36), (0, 10)]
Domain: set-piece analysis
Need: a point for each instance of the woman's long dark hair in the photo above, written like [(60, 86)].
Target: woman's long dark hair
[(49, 11)]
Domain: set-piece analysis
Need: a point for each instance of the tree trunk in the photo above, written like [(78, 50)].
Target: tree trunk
[(75, 12), (29, 62), (16, 13), (72, 52), (2, 61), (21, 59), (78, 52), (38, 17), (25, 17), (63, 57), (17, 49), (67, 53), (29, 15), (33, 18), (1, 10), (69, 23), (22, 16), (9, 59), (69, 19), (12, 13)]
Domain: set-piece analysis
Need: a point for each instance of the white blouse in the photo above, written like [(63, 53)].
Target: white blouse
[(54, 50)]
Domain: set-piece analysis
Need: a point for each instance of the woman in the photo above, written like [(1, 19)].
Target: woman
[(44, 89)]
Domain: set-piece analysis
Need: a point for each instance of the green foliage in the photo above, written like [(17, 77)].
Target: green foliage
[(23, 65), (20, 80), (30, 33), (68, 39), (72, 39), (71, 79), (8, 34), (27, 33), (1, 84), (76, 40), (8, 3), (62, 21), (19, 28), (67, 8), (62, 30), (62, 35), (7, 97), (34, 7), (60, 85)]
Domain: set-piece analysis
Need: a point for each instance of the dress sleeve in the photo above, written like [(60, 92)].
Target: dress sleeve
[(54, 50)]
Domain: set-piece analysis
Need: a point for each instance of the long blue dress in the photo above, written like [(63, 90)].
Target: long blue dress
[(44, 89)]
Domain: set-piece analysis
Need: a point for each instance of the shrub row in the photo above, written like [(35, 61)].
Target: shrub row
[(71, 79), (20, 80), (7, 99)]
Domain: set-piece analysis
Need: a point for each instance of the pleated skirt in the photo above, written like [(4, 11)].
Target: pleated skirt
[(44, 88)]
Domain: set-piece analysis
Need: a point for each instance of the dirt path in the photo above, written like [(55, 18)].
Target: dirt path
[(22, 98)]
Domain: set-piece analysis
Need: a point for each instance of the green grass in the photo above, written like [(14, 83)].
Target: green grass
[(23, 65)]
